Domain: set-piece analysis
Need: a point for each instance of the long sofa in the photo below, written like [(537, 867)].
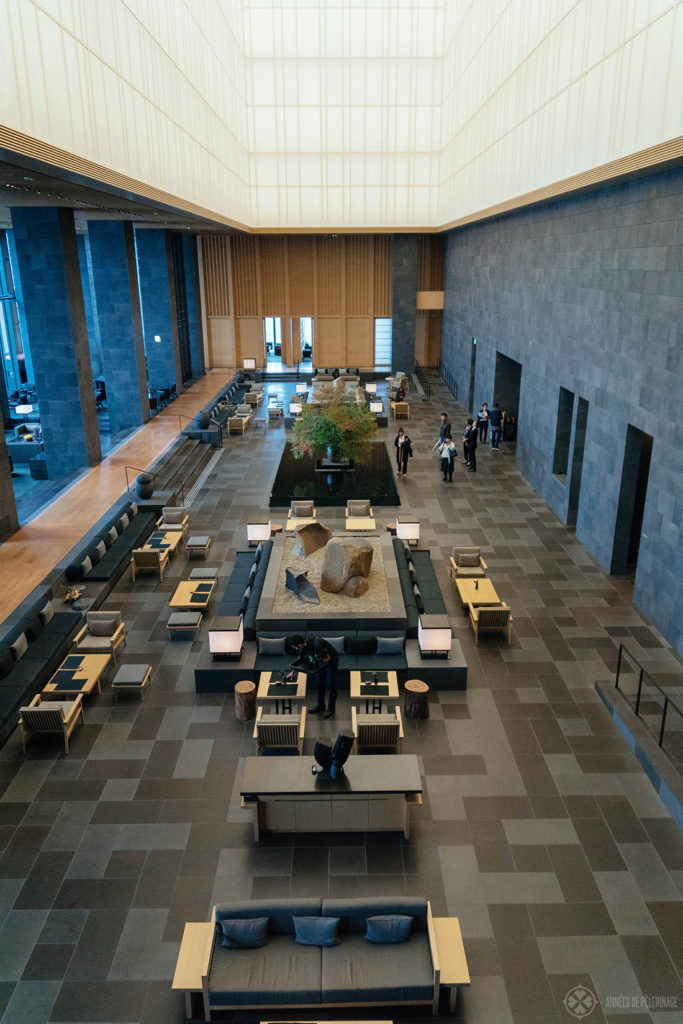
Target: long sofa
[(245, 584), (37, 636), (420, 587), (215, 414), (283, 972)]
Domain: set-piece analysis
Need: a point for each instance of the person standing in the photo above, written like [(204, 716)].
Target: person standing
[(326, 677), (483, 422), (496, 420), (445, 430), (465, 441), (471, 445), (403, 451), (448, 452)]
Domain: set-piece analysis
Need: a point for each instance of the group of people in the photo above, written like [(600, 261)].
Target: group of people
[(446, 446)]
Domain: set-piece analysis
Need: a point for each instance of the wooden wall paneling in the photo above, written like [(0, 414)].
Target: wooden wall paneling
[(382, 276), (249, 339), (430, 263), (221, 335), (360, 341), (358, 263), (245, 275), (331, 265), (435, 328), (330, 347), (302, 259), (421, 331), (273, 263), (216, 267), (295, 346)]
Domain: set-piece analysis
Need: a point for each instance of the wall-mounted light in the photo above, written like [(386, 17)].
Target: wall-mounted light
[(157, 338)]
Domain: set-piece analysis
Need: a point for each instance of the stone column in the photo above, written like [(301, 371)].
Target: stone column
[(50, 273), (157, 298), (403, 301), (112, 251), (194, 320), (8, 506)]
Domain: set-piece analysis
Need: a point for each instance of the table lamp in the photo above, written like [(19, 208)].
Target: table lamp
[(226, 635), (434, 636)]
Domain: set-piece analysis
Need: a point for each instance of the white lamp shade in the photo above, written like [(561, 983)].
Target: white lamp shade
[(258, 531), (226, 635), (407, 530), (294, 408), (434, 634), (371, 387), (23, 410), (249, 364), (301, 389), (376, 407)]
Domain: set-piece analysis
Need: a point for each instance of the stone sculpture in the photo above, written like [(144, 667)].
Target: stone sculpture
[(345, 568), (301, 586), (311, 537)]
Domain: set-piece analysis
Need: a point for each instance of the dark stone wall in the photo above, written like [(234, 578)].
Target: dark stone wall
[(587, 294), (50, 273), (118, 314), (403, 301), (194, 323), (157, 298)]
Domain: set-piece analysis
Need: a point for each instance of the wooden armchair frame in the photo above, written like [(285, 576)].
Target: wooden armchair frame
[(280, 732), (183, 525), (146, 560), (100, 644), (459, 571), (491, 618), (377, 730), (400, 409), (51, 718)]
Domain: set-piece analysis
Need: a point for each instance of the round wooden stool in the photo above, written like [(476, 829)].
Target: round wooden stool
[(245, 700), (415, 699)]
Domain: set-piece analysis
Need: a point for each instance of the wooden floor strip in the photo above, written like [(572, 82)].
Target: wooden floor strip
[(28, 555)]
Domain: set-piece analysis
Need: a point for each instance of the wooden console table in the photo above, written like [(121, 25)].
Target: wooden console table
[(373, 795)]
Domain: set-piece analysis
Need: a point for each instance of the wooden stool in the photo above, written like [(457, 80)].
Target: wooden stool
[(245, 700), (415, 699)]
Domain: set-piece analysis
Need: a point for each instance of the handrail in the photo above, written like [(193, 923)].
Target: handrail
[(641, 678), (424, 383), (138, 470), (449, 380)]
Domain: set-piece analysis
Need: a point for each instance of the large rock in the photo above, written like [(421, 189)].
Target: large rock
[(355, 587), (311, 537), (343, 563)]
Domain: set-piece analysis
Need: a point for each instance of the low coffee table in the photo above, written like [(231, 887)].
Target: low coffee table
[(164, 540), (363, 687), (272, 689), (476, 592), (198, 544), (132, 679), (78, 673), (193, 594)]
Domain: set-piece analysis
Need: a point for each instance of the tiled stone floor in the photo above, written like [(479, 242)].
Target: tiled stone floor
[(538, 827)]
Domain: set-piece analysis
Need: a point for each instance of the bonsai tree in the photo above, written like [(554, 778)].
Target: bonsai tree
[(337, 425)]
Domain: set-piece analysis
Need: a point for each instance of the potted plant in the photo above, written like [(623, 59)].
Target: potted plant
[(335, 427)]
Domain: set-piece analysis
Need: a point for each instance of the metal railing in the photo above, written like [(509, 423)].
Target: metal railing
[(651, 703), (449, 380), (424, 383), (155, 480)]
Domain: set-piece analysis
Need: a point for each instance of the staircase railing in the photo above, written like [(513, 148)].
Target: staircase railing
[(653, 705)]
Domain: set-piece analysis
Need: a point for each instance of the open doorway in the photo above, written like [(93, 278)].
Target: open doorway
[(577, 462), (508, 380), (632, 495), (306, 341), (272, 334)]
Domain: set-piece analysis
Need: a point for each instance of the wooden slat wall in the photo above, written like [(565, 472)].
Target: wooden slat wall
[(342, 281), (217, 274), (430, 263)]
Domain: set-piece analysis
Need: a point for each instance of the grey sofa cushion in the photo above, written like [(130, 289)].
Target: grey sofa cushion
[(279, 911), (288, 975), (389, 644), (357, 971), (19, 647)]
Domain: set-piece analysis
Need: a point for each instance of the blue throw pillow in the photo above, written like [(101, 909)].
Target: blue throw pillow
[(388, 928), (244, 933), (316, 931), (390, 645)]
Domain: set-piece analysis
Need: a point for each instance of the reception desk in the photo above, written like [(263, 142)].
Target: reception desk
[(373, 795)]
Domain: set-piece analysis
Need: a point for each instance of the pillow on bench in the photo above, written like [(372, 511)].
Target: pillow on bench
[(390, 645), (244, 933), (360, 645)]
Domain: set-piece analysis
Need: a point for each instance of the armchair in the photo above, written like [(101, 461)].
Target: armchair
[(491, 618), (174, 518), (146, 560), (359, 514), (102, 634), (466, 562), (253, 398), (52, 716), (400, 409), (377, 730), (302, 511), (280, 732), (237, 424)]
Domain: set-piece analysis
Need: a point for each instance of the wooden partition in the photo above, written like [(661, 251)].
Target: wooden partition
[(342, 281)]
